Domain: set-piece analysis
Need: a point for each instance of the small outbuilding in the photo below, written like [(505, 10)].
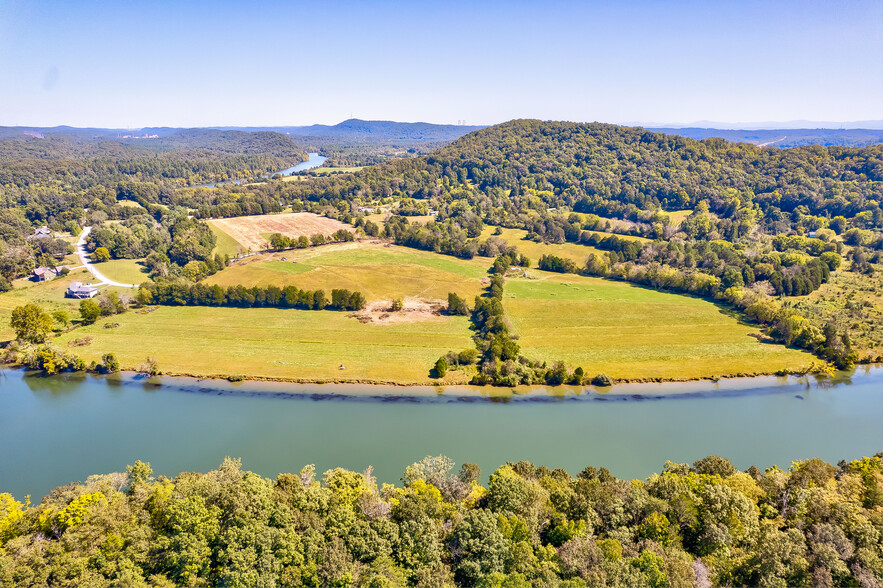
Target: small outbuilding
[(81, 290)]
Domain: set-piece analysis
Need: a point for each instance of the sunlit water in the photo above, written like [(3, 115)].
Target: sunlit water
[(61, 429), (314, 160)]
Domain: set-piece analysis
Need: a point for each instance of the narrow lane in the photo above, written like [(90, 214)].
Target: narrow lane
[(84, 258)]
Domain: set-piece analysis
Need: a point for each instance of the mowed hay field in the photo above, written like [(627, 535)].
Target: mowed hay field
[(274, 343), (379, 270), (248, 231), (629, 332)]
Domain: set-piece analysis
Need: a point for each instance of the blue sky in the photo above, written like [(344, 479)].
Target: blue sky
[(134, 64)]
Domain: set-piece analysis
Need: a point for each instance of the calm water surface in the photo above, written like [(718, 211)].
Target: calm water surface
[(61, 429), (315, 160)]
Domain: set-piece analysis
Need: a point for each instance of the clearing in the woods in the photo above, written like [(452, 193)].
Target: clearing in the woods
[(251, 231)]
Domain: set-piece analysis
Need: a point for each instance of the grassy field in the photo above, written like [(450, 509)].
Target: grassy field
[(380, 271), (130, 204), (127, 271), (324, 171), (225, 244), (578, 253), (247, 231), (631, 332), (678, 216), (272, 343), (49, 295)]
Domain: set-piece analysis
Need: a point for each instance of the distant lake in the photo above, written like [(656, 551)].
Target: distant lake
[(315, 160), (63, 428)]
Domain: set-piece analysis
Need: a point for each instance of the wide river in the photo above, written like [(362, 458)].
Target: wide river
[(60, 429)]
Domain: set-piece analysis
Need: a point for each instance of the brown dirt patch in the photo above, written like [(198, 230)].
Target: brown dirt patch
[(247, 229), (414, 310)]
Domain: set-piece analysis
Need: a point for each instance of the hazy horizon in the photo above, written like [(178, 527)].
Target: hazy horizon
[(201, 64), (715, 125)]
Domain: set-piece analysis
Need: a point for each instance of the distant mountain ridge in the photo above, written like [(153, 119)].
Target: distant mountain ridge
[(359, 131), (355, 128), (782, 138)]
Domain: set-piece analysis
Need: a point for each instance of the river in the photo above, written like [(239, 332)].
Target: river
[(314, 160), (63, 428)]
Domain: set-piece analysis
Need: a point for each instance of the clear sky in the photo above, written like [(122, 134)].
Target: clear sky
[(200, 63)]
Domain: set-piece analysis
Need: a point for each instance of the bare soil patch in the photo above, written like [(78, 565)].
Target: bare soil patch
[(414, 310), (247, 230)]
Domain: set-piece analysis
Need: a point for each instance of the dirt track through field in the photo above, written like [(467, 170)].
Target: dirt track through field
[(247, 230)]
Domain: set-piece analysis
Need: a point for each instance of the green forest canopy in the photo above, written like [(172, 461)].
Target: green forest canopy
[(813, 524)]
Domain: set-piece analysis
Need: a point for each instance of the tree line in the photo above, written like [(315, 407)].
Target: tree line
[(706, 523), (199, 294)]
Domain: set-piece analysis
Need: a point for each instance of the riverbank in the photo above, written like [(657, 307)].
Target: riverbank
[(392, 391)]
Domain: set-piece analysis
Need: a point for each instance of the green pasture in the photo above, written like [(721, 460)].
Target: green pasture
[(275, 343), (126, 271), (224, 243), (630, 332), (378, 270)]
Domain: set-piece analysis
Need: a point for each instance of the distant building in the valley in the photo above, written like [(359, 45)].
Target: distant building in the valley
[(81, 290), (43, 232), (41, 274), (366, 209)]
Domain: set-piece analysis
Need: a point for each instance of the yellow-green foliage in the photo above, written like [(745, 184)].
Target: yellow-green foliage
[(535, 527), (71, 515), (11, 512)]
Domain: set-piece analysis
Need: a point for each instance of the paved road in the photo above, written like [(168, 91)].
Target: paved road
[(84, 257)]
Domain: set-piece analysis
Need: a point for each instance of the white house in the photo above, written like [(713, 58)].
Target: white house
[(81, 290)]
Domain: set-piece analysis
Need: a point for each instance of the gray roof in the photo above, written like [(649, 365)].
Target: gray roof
[(80, 287)]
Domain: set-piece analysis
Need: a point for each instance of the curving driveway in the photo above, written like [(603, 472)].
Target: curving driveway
[(84, 257)]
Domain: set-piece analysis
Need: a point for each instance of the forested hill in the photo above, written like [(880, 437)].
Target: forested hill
[(725, 221), (614, 171), (73, 159)]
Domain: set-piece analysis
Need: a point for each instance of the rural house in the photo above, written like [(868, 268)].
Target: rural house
[(43, 232), (80, 290), (42, 273)]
